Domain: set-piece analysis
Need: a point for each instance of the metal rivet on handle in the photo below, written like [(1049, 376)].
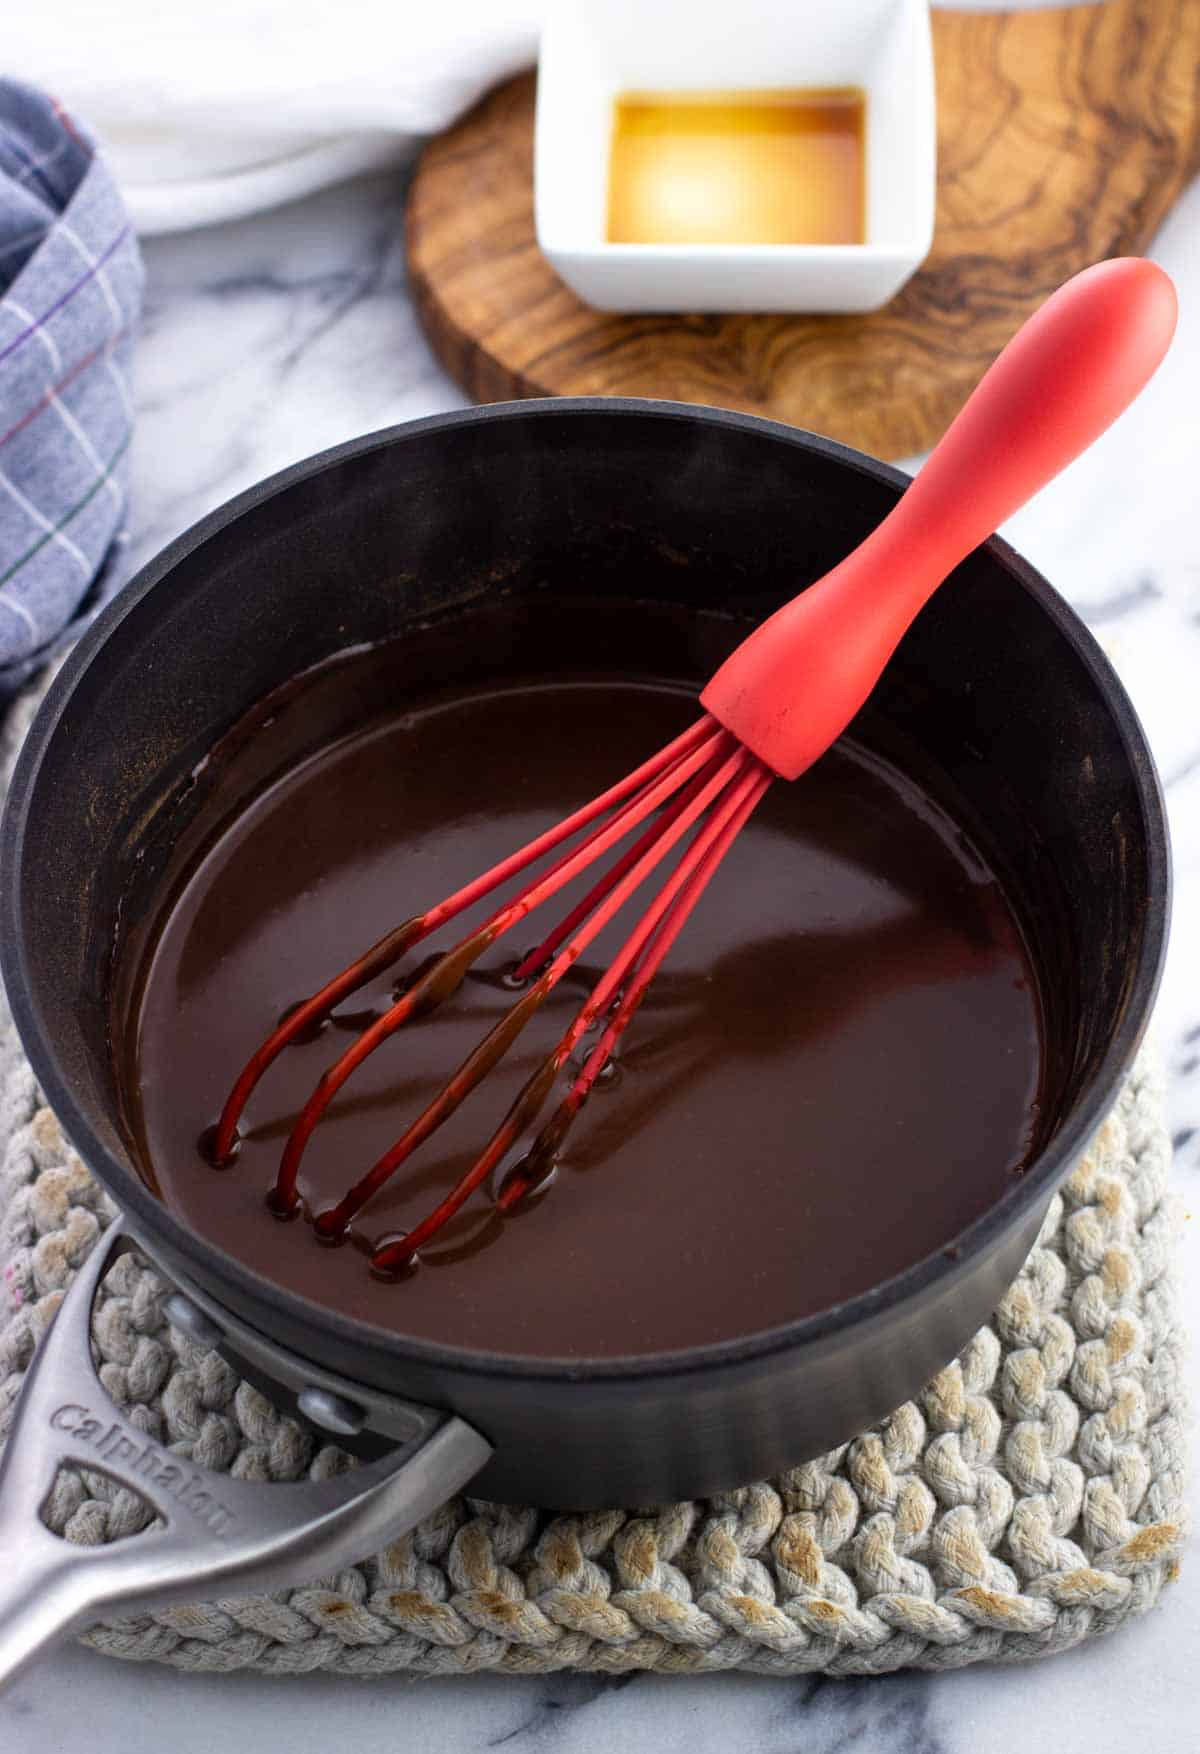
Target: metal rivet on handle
[(331, 1412), (183, 1314)]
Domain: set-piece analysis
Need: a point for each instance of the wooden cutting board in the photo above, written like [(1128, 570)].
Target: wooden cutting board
[(1064, 136)]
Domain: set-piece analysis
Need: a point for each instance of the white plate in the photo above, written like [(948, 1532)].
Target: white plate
[(591, 52)]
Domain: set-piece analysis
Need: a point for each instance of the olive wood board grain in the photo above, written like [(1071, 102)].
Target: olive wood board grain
[(1064, 136)]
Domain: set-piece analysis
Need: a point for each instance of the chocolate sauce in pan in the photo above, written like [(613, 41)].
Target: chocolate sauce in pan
[(835, 1071)]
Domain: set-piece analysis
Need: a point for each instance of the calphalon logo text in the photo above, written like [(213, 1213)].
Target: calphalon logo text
[(159, 1468)]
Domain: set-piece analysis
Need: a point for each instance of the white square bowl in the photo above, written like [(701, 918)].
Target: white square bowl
[(592, 50)]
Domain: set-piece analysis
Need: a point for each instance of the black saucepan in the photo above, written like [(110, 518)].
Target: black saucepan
[(998, 680)]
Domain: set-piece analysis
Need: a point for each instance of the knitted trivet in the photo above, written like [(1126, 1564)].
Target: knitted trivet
[(1028, 1499)]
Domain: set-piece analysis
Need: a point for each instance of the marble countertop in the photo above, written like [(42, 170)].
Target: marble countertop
[(270, 339)]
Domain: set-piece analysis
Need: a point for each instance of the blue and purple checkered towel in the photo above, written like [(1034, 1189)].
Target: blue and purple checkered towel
[(70, 297)]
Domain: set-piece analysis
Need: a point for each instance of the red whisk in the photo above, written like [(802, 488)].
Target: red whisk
[(779, 701)]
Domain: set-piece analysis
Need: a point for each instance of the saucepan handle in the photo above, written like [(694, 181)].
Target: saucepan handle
[(214, 1534)]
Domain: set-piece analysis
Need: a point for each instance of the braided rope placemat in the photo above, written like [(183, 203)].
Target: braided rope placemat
[(1028, 1499)]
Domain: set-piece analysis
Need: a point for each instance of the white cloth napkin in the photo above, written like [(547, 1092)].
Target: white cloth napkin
[(207, 85), (184, 91)]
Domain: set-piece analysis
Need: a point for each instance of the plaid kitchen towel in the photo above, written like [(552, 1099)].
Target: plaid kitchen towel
[(70, 297)]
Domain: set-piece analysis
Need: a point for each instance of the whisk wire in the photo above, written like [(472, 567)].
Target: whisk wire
[(443, 978), (704, 733), (707, 785), (625, 983)]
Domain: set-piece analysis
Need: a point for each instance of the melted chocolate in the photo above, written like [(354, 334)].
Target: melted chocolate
[(836, 1070)]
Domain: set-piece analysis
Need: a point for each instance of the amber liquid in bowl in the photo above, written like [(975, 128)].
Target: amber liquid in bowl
[(738, 167)]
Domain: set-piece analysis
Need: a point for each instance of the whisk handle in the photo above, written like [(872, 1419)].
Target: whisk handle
[(793, 686)]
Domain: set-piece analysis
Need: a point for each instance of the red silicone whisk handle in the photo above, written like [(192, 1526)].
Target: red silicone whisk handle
[(793, 686)]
